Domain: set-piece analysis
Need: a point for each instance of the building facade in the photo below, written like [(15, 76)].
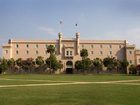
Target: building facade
[(68, 50)]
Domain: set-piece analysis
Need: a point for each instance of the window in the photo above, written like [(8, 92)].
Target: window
[(101, 46), (55, 52), (91, 52), (70, 52), (130, 61), (36, 52), (46, 46), (82, 46), (17, 45), (110, 46), (6, 51), (27, 52), (55, 46), (110, 52), (27, 46), (120, 46), (46, 52), (17, 52), (130, 52), (36, 45), (67, 53), (101, 52), (92, 46)]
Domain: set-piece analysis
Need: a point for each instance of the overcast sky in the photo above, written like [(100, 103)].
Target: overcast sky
[(96, 19)]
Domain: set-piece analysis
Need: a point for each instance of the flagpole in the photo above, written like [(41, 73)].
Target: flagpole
[(60, 25), (76, 25)]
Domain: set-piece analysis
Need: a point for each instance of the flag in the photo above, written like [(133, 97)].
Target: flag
[(60, 22)]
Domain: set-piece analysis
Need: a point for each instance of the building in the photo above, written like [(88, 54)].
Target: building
[(68, 50)]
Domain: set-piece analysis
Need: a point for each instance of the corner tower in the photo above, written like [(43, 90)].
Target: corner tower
[(77, 43), (60, 42)]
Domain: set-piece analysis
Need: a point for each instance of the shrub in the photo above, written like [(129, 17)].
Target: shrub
[(132, 69)]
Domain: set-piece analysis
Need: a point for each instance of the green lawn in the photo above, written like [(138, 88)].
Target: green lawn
[(71, 94)]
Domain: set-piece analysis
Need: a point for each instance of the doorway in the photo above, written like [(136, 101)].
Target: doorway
[(69, 69)]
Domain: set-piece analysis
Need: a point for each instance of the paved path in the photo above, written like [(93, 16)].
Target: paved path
[(123, 82)]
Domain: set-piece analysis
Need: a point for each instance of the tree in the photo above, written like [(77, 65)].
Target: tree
[(98, 64), (39, 60), (41, 67), (19, 64), (78, 65), (84, 53), (52, 63), (111, 63), (3, 65), (11, 64), (27, 65), (124, 65), (138, 69), (83, 65), (51, 49), (86, 64), (133, 69), (118, 65), (60, 65)]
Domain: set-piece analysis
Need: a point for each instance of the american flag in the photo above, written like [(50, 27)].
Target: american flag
[(61, 22)]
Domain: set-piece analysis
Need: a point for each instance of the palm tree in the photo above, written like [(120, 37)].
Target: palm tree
[(52, 60), (51, 49), (52, 63), (84, 53), (85, 61)]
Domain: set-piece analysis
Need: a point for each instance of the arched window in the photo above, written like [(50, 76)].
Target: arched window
[(69, 63)]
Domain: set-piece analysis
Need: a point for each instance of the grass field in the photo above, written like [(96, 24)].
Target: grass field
[(69, 90)]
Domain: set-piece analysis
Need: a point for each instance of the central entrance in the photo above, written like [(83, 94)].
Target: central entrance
[(69, 69)]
